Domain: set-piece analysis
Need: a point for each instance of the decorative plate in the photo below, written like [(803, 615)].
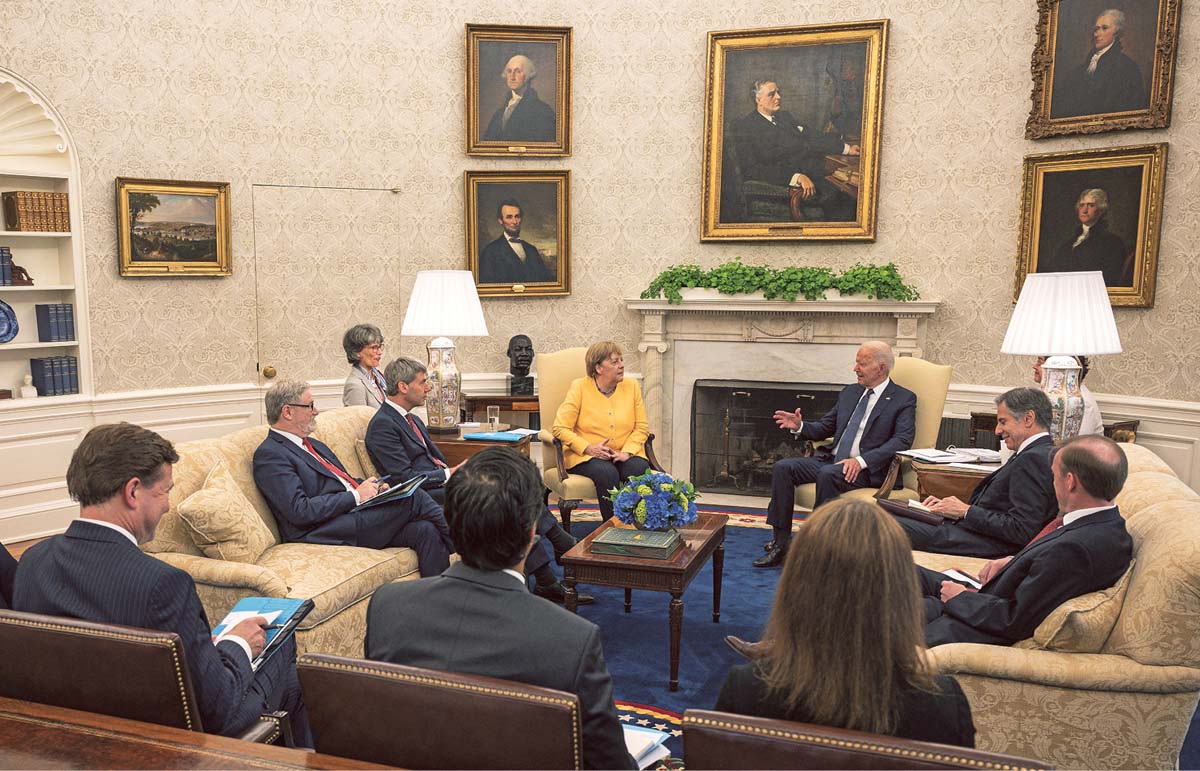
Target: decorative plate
[(8, 323)]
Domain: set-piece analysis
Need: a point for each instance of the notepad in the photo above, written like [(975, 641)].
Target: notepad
[(283, 614), (645, 744)]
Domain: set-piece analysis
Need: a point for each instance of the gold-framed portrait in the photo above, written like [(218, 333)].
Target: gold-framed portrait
[(1100, 66), (1095, 210), (793, 117), (518, 90), (519, 232), (173, 228)]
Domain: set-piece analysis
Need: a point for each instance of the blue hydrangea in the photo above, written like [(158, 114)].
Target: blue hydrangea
[(655, 501)]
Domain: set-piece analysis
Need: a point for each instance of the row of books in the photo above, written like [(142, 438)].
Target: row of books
[(5, 266), (55, 375), (34, 210), (56, 322)]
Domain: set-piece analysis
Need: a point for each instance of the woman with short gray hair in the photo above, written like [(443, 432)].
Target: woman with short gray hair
[(365, 385)]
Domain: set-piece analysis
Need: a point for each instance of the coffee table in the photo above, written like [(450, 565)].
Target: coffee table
[(702, 539)]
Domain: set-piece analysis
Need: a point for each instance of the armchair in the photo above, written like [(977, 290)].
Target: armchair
[(555, 371), (122, 671), (467, 721)]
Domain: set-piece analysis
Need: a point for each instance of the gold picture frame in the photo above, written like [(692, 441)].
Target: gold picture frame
[(1094, 72), (541, 202), (766, 179), (1059, 197), (173, 228), (538, 123)]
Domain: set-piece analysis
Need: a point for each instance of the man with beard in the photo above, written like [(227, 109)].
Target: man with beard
[(1093, 246), (523, 117), (508, 259)]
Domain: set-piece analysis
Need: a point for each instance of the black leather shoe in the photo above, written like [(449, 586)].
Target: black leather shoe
[(769, 545), (556, 593), (747, 649), (773, 558)]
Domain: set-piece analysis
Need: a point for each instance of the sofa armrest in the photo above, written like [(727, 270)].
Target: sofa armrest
[(262, 582), (270, 728), (1081, 671)]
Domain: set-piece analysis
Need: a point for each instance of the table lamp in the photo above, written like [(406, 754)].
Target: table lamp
[(1061, 316), (443, 303)]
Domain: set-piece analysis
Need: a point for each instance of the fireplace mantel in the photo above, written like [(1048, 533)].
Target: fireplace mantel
[(825, 333)]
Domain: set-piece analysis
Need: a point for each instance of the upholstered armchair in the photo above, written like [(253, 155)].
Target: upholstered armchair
[(930, 382), (555, 371), (1109, 679)]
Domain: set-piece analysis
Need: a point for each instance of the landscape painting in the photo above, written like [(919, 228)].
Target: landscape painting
[(173, 228)]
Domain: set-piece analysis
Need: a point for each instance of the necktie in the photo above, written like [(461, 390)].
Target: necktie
[(846, 443), (337, 471), (421, 438), (1053, 525)]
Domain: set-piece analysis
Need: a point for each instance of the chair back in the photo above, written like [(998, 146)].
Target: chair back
[(113, 670), (930, 382), (713, 740), (555, 371), (467, 721)]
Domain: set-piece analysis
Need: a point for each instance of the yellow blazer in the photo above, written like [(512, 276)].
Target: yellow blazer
[(587, 416)]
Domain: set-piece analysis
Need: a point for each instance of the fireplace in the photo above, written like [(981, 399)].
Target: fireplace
[(735, 441)]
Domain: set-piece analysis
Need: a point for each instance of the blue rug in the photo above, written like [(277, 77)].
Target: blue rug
[(636, 644)]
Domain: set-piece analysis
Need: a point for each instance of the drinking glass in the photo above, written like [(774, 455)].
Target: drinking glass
[(493, 413)]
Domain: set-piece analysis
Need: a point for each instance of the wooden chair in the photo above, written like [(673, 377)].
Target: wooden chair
[(555, 371), (114, 670), (425, 719), (719, 740)]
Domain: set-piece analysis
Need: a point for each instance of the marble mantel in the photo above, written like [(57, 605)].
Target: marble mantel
[(749, 338)]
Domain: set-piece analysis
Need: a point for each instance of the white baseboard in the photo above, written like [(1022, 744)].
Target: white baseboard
[(36, 442)]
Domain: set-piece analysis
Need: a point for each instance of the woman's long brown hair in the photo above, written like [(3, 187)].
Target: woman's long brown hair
[(847, 624)]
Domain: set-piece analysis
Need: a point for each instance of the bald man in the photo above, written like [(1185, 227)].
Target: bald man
[(523, 117)]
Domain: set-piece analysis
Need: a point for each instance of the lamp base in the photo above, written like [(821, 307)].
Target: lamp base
[(442, 403), (1060, 381)]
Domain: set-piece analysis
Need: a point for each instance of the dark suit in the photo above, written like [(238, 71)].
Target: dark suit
[(485, 623), (890, 429), (1102, 250), (94, 573), (394, 449), (532, 120), (773, 152), (1116, 86), (943, 717), (1085, 556), (311, 505), (499, 264), (1007, 509), (8, 573)]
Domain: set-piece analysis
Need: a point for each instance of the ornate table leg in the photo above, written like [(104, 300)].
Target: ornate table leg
[(628, 600), (570, 595), (718, 571), (676, 634)]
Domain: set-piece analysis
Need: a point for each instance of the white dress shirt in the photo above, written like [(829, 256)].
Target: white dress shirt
[(1081, 513)]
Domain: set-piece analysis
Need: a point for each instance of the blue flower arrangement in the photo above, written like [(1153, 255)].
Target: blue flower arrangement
[(655, 501)]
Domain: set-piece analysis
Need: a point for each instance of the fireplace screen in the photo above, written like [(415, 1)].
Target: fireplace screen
[(735, 442)]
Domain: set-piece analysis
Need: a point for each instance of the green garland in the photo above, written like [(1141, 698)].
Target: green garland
[(876, 282)]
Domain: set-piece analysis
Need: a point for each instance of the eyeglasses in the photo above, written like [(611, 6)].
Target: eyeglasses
[(375, 347), (308, 406)]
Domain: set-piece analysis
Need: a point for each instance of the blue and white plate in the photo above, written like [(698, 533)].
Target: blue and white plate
[(8, 323)]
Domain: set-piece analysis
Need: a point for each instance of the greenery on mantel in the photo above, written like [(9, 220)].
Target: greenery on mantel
[(875, 281)]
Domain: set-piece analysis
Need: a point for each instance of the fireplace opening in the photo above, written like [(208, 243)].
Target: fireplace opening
[(735, 441)]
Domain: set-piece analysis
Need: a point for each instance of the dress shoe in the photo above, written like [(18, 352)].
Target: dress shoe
[(769, 545), (773, 558), (556, 593), (750, 650)]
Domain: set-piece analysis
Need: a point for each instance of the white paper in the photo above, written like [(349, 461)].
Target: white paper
[(233, 619), (522, 431), (958, 575), (645, 744)]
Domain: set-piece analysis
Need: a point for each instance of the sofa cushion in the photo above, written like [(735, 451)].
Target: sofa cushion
[(222, 522), (364, 459), (1146, 488), (336, 577), (1142, 459), (340, 429), (1083, 624)]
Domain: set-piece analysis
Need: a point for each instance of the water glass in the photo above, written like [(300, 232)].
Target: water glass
[(493, 413)]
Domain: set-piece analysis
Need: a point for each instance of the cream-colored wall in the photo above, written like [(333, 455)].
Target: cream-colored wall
[(360, 93)]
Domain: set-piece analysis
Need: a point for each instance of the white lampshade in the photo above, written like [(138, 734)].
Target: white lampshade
[(444, 303), (1062, 314)]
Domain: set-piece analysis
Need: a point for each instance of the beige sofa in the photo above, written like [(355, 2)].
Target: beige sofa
[(220, 531), (1110, 679)]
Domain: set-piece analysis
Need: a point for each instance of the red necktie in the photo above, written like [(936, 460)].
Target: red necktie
[(421, 438), (1054, 524), (340, 474)]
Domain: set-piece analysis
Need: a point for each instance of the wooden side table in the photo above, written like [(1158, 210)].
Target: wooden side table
[(942, 480), (480, 400), (458, 449)]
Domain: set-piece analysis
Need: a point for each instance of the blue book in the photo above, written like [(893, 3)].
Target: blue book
[(5, 267), (495, 436), (69, 319), (41, 376), (45, 323), (56, 323), (72, 375), (57, 381), (283, 615)]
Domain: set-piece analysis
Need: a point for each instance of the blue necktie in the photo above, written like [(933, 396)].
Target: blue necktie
[(845, 444)]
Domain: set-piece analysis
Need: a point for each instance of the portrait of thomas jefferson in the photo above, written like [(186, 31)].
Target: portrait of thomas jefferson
[(1102, 76), (1092, 245)]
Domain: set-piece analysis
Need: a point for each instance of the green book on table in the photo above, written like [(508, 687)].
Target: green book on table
[(651, 544), (283, 615)]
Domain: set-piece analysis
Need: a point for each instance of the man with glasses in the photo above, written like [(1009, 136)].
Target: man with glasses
[(312, 496)]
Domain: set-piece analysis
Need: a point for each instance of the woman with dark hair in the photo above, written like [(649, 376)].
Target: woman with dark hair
[(846, 637), (363, 344), (602, 423)]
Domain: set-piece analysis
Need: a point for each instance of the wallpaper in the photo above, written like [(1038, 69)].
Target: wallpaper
[(348, 100)]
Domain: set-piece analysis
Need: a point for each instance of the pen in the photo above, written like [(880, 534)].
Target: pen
[(274, 626)]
